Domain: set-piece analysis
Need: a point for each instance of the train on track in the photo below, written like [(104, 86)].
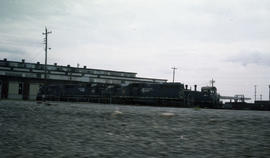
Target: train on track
[(153, 94)]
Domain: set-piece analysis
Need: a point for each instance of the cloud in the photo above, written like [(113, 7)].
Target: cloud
[(11, 50), (147, 37), (251, 57), (12, 53), (20, 10)]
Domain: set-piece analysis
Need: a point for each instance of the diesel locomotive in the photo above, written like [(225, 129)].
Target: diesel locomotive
[(154, 94)]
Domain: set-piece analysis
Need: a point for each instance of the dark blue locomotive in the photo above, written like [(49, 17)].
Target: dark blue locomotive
[(155, 94)]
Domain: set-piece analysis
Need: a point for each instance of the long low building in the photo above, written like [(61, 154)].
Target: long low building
[(22, 80)]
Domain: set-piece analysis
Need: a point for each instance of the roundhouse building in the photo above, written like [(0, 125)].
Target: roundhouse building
[(22, 80)]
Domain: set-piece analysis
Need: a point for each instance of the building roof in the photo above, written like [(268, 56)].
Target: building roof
[(59, 72)]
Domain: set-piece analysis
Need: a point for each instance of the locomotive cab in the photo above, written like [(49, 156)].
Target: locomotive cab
[(209, 90), (211, 94)]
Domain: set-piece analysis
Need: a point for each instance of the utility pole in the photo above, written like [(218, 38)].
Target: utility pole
[(174, 68), (255, 95), (261, 97), (269, 92), (212, 82), (46, 49)]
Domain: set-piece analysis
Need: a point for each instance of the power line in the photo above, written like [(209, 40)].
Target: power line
[(36, 54)]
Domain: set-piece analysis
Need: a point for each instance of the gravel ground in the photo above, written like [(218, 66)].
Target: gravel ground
[(62, 129)]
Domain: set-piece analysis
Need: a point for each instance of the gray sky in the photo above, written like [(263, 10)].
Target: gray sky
[(227, 40)]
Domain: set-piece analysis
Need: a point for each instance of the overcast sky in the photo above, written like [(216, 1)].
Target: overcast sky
[(228, 40)]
